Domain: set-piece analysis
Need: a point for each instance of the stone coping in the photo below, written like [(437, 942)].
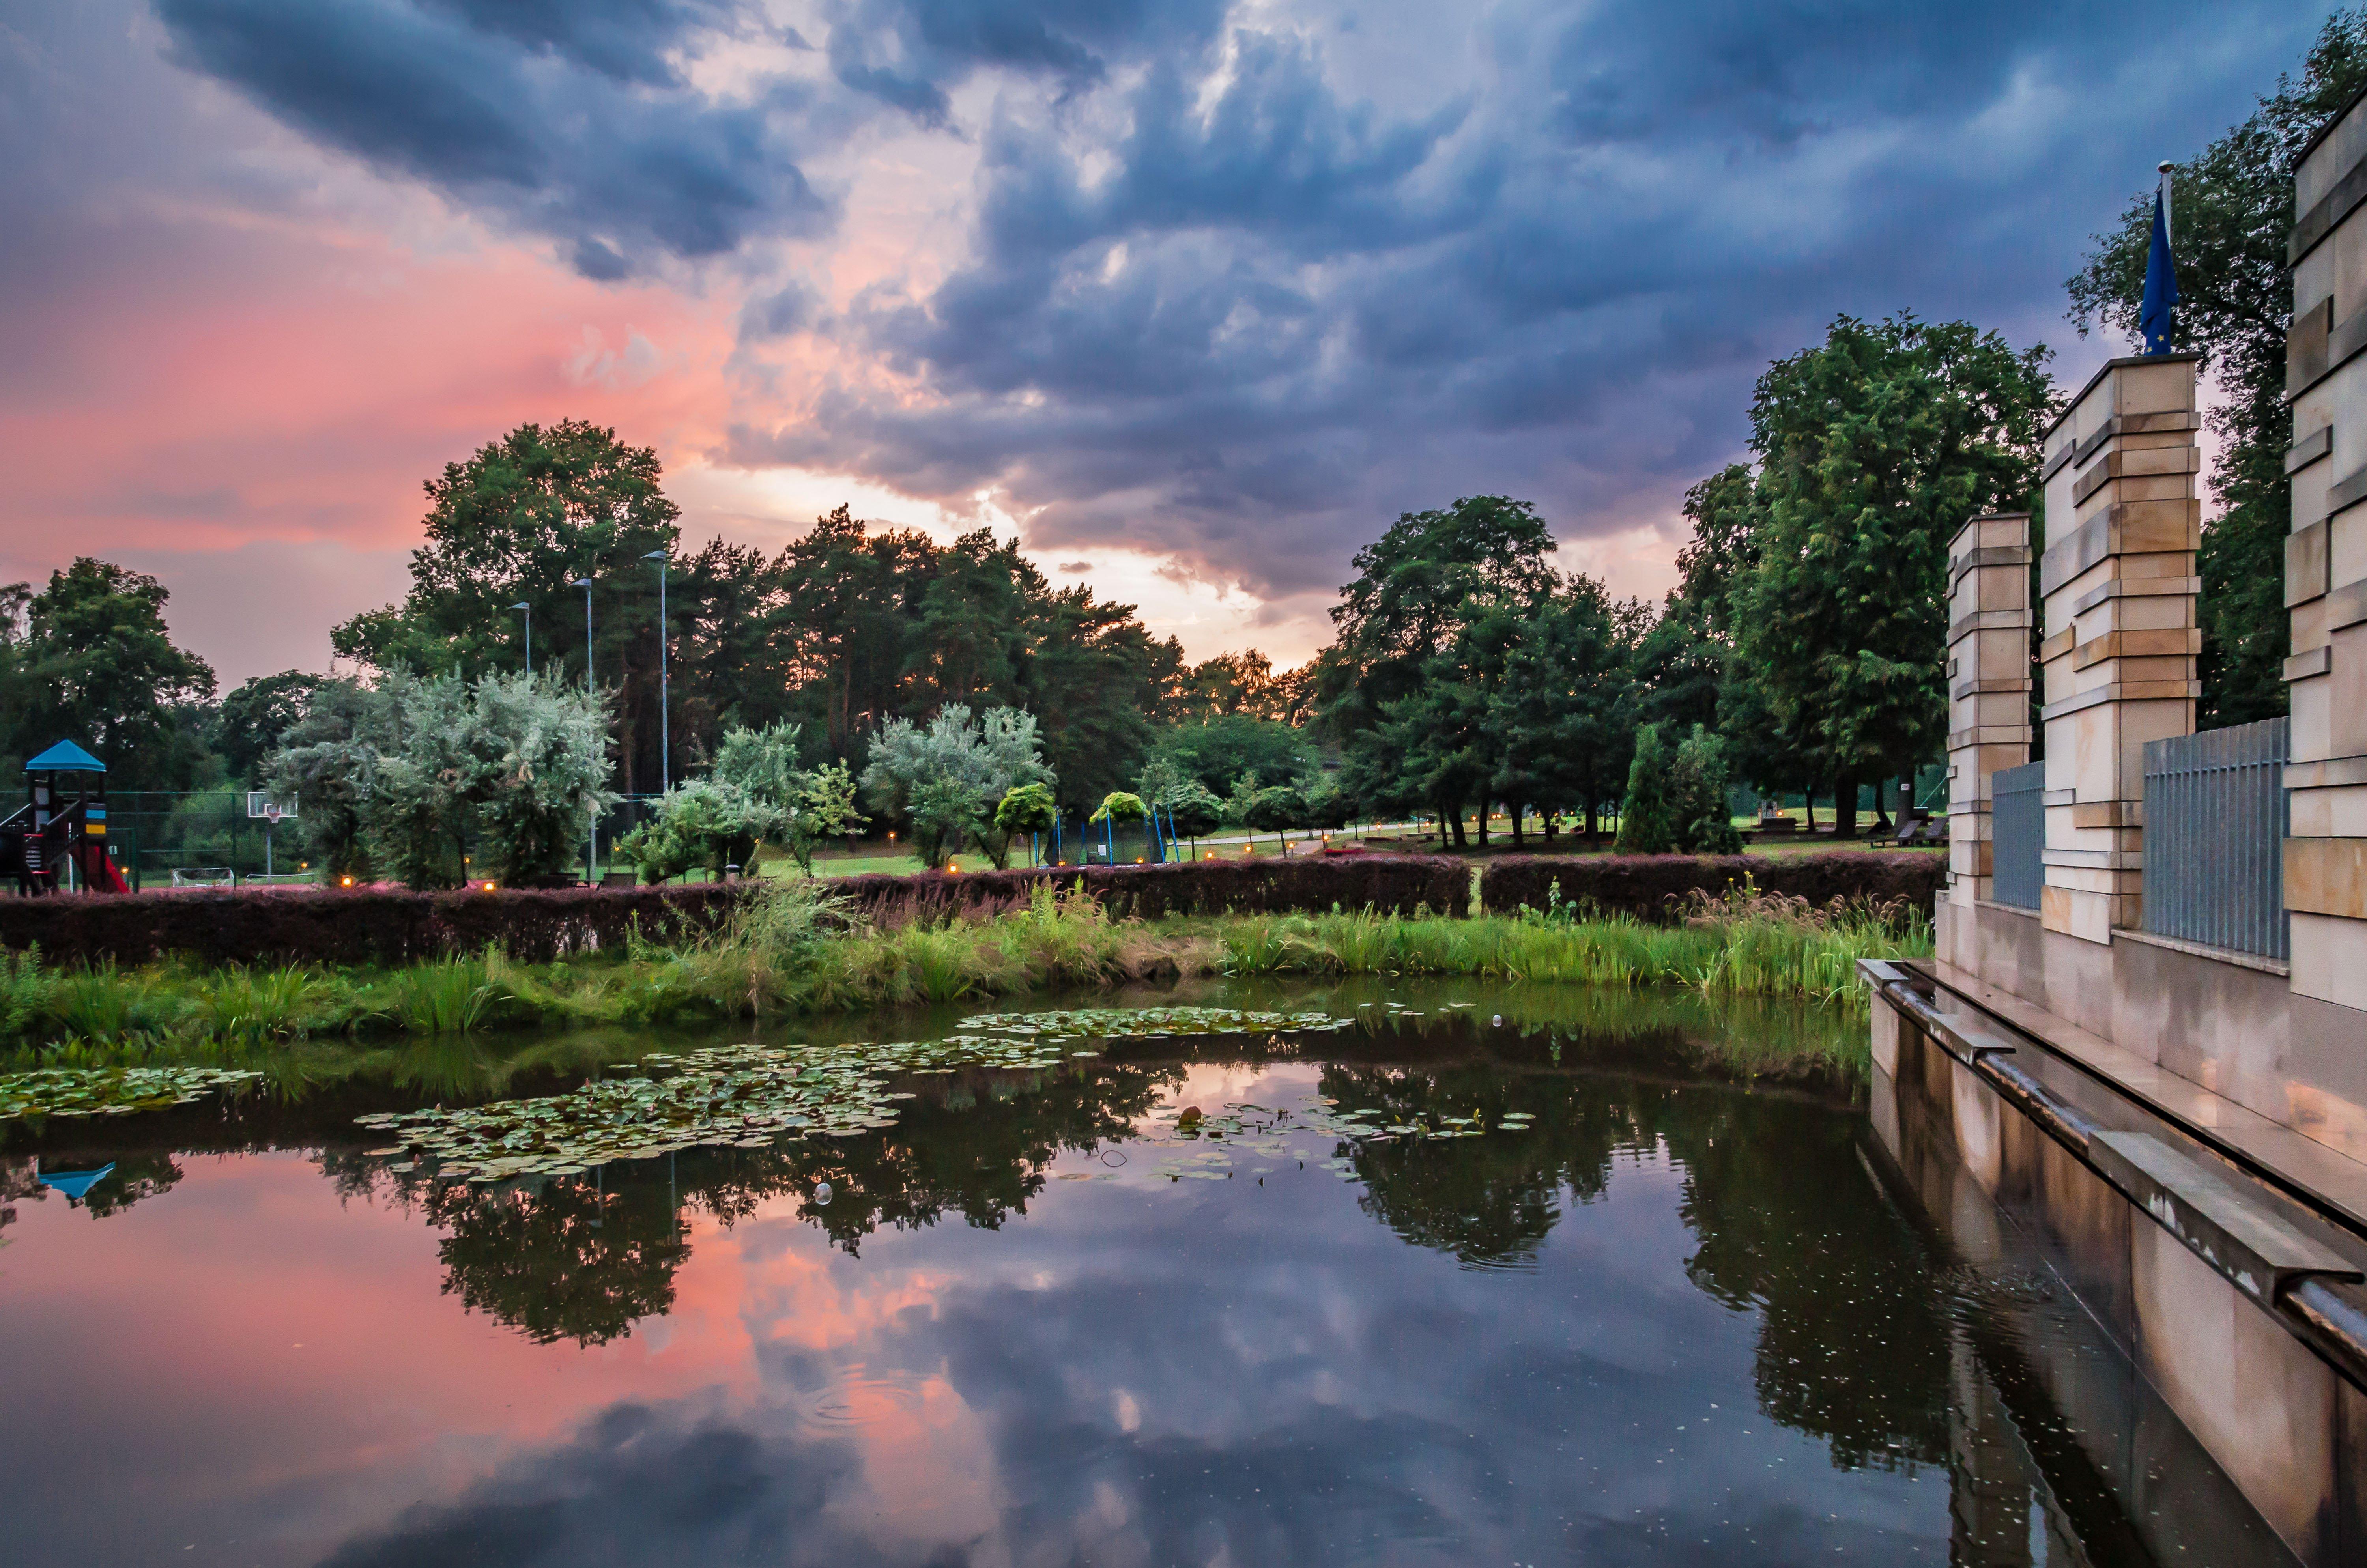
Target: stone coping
[(2319, 1176), (2204, 949), (2290, 1253)]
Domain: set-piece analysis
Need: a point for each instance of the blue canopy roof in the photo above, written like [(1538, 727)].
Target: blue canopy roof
[(76, 1184), (65, 757)]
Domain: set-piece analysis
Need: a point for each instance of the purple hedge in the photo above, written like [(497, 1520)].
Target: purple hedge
[(1397, 884), (1655, 887), (388, 926), (364, 925)]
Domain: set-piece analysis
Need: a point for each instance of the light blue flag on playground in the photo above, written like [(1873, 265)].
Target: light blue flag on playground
[(2157, 315)]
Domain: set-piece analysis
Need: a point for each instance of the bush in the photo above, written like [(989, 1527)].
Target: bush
[(1657, 887), (702, 824)]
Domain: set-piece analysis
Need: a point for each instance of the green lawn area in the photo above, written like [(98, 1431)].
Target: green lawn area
[(897, 860)]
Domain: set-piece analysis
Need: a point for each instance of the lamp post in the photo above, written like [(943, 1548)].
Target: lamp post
[(522, 604), (592, 839), (665, 727)]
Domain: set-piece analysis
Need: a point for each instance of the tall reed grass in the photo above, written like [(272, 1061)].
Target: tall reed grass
[(794, 950)]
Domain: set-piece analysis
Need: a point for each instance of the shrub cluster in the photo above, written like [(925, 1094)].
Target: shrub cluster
[(1661, 887), (363, 926), (1393, 885)]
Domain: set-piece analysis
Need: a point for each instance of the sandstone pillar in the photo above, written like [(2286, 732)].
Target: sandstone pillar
[(1989, 692), (2326, 590), (2118, 576)]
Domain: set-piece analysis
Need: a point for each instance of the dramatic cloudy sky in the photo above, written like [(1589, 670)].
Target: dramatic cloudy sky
[(1194, 296)]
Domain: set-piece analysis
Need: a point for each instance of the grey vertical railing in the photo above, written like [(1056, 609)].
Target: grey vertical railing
[(2017, 826), (2215, 818)]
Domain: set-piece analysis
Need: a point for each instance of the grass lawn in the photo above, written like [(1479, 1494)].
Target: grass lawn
[(1232, 843)]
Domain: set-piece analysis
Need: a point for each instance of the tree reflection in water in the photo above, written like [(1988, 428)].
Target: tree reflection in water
[(582, 1257)]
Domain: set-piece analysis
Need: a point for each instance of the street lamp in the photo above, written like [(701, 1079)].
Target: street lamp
[(592, 840), (522, 604), (666, 728)]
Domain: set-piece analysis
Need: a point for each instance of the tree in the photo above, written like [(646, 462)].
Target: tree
[(1119, 806), (2234, 211), (1276, 809), (1095, 679), (1230, 683), (1405, 685), (1648, 815), (97, 665), (1677, 798), (258, 713), (539, 781), (524, 518), (943, 778), (1562, 715), (323, 766), (1217, 753), (824, 809), (761, 761), (1027, 808), (1874, 446), (422, 775), (1191, 810)]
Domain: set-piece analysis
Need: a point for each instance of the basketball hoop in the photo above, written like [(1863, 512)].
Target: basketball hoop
[(260, 805)]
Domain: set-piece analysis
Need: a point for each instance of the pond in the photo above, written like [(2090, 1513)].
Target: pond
[(1629, 1282)]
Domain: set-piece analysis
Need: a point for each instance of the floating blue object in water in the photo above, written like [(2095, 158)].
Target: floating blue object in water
[(75, 1183)]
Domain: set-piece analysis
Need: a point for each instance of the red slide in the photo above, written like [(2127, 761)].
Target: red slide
[(99, 872)]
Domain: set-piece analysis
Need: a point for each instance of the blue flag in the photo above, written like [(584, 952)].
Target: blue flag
[(2157, 316)]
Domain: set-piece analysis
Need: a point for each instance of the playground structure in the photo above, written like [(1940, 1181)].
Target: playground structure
[(57, 839)]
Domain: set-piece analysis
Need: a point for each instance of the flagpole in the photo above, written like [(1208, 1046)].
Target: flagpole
[(2163, 169)]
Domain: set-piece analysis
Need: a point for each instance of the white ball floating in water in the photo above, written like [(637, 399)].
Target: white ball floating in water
[(822, 1192)]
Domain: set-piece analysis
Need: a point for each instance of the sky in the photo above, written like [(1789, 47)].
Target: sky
[(1194, 296)]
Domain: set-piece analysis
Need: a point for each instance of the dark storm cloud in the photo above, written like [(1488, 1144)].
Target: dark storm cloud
[(566, 121), (909, 52), (638, 1484), (1271, 310), (1241, 284)]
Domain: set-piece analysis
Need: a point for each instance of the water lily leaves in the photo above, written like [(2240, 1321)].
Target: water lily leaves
[(111, 1091), (749, 1096)]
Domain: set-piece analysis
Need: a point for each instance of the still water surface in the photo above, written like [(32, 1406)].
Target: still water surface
[(1686, 1318)]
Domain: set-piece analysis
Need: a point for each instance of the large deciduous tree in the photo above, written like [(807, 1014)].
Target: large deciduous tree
[(95, 664), (1406, 683), (2233, 209), (522, 519), (1875, 446)]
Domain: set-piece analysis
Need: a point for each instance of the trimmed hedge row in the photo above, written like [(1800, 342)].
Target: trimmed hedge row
[(389, 926), (363, 925), (1397, 884), (1655, 887)]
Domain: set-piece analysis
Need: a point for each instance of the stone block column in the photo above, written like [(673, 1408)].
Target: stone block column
[(2123, 522), (2326, 590), (1989, 692)]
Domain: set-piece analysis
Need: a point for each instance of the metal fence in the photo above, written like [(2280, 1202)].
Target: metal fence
[(207, 835), (2018, 823), (2216, 816)]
